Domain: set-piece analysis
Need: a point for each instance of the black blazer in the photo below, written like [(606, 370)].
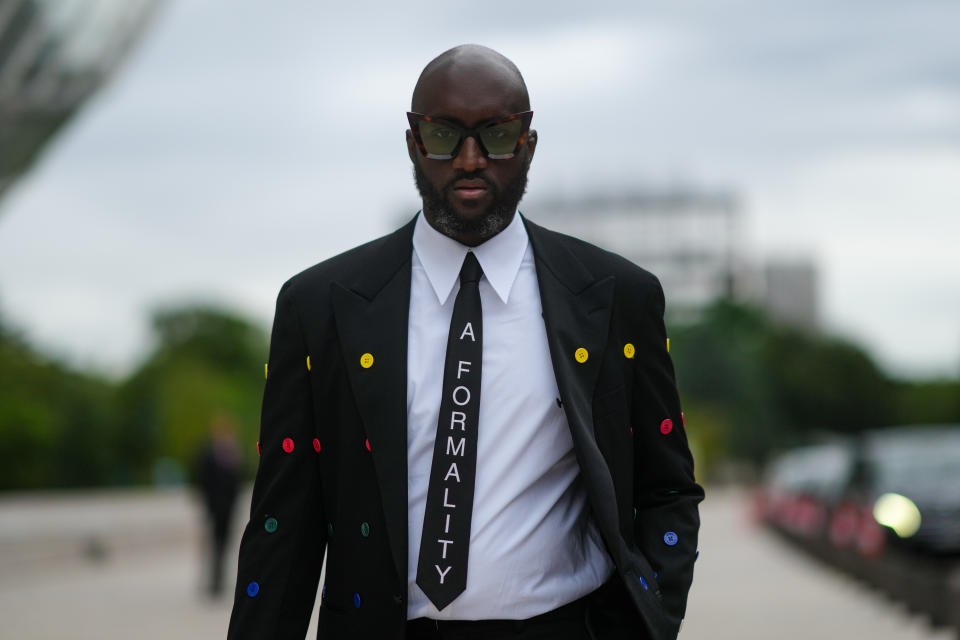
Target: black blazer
[(333, 468)]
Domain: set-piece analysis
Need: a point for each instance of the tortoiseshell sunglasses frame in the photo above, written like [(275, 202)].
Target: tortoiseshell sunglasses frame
[(416, 118)]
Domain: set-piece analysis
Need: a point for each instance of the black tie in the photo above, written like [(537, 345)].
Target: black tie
[(445, 546)]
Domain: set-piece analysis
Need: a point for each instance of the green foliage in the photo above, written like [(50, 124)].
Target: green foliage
[(63, 428), (762, 386), (749, 388)]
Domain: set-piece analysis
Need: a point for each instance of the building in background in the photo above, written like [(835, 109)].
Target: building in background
[(693, 240), (54, 54)]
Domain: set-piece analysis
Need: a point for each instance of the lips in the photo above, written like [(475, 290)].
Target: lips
[(470, 189)]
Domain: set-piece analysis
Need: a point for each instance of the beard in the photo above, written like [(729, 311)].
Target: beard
[(494, 219)]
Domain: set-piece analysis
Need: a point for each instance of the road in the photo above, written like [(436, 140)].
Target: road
[(108, 567)]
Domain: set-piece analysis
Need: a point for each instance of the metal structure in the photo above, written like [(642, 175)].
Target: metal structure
[(690, 239), (54, 54)]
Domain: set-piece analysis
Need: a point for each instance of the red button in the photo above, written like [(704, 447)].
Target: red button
[(288, 445), (368, 444), (666, 426), (316, 445), (259, 452), (683, 418)]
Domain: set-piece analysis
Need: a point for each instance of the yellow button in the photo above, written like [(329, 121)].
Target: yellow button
[(265, 369), (628, 350), (581, 355), (308, 363), (366, 360), (668, 345)]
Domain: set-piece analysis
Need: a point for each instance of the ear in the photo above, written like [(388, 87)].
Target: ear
[(412, 150)]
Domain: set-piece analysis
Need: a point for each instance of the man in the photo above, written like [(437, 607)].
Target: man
[(495, 455)]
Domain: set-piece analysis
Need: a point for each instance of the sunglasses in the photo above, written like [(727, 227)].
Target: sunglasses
[(441, 140)]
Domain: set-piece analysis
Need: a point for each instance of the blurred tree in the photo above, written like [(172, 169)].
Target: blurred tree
[(206, 362), (57, 426), (766, 387)]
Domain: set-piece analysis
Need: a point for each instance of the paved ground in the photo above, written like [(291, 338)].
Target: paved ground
[(127, 566)]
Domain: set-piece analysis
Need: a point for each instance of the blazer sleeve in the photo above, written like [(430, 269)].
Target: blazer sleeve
[(281, 553), (665, 492)]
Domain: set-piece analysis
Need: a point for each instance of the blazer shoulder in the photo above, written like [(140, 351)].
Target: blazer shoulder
[(602, 262), (379, 257)]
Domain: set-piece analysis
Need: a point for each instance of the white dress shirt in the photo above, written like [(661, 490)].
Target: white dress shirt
[(533, 545)]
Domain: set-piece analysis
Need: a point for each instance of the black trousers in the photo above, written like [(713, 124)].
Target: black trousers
[(605, 614)]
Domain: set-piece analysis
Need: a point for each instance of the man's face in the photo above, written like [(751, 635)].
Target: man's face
[(470, 197)]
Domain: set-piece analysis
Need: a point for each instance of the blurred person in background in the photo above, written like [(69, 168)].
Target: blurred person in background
[(218, 474), (474, 418)]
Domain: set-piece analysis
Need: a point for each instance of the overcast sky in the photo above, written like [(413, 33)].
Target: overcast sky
[(244, 141)]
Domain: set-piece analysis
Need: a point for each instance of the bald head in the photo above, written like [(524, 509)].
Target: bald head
[(475, 67)]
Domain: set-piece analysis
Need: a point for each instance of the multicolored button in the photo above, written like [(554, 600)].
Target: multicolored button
[(365, 530), (316, 445), (356, 600), (666, 426), (366, 360), (670, 538), (270, 525), (288, 445), (629, 350), (253, 589), (581, 355)]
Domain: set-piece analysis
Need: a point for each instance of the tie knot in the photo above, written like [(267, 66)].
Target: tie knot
[(471, 269)]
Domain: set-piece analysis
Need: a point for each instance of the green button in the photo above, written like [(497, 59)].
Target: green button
[(329, 530), (365, 529), (270, 525)]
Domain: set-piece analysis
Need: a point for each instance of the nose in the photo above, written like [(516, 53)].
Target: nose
[(471, 156)]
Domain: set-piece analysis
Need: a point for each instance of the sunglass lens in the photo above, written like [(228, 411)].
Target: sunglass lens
[(438, 139), (501, 139)]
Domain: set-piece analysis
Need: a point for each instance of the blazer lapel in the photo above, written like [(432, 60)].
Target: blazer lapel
[(576, 312), (372, 311)]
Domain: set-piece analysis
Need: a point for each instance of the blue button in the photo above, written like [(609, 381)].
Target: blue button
[(656, 575), (697, 555), (356, 600), (253, 589), (323, 592), (270, 525), (644, 583), (670, 538)]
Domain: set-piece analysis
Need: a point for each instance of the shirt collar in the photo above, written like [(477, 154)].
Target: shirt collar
[(442, 257)]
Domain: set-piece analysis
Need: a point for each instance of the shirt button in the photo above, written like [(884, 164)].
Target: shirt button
[(367, 444), (270, 525), (356, 600), (330, 530), (670, 538), (629, 350), (253, 589), (666, 426), (288, 445), (581, 355), (365, 530), (316, 445), (366, 360)]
